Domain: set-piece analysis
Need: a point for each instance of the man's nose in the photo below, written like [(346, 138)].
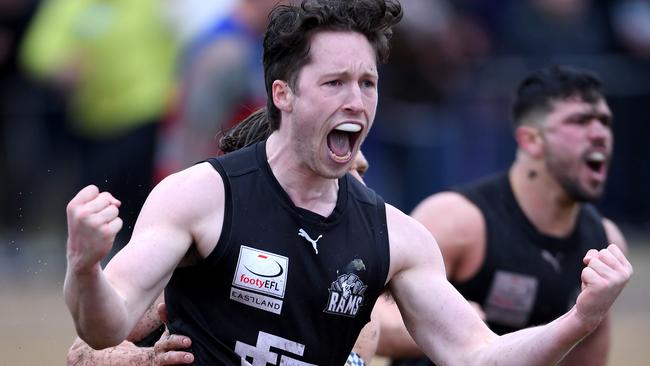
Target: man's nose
[(599, 131), (354, 99)]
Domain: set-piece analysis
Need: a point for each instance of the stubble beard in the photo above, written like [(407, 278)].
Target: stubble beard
[(312, 160), (560, 170), (573, 188)]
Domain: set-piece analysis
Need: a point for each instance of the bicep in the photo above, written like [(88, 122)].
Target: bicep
[(440, 320), (141, 269), (163, 234)]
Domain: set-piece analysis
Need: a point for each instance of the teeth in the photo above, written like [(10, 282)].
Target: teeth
[(596, 156), (341, 159), (348, 127)]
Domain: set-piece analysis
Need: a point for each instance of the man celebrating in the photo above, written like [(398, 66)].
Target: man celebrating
[(513, 243), (223, 235)]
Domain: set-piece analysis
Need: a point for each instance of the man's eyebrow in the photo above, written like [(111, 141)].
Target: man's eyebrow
[(588, 114), (344, 72)]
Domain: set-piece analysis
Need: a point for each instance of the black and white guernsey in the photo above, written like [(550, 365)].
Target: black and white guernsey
[(284, 285), (527, 278)]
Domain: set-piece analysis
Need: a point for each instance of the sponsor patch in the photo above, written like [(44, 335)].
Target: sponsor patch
[(346, 295), (259, 301), (260, 273), (511, 298)]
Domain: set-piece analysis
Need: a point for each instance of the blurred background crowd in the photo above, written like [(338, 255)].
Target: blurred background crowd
[(120, 93)]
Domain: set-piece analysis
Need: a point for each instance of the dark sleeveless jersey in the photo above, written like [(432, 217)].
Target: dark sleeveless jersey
[(283, 286), (527, 278)]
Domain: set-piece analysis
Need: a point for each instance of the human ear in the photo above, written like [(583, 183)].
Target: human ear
[(530, 140), (282, 95)]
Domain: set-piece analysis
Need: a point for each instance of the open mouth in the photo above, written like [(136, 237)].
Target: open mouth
[(596, 162), (341, 141)]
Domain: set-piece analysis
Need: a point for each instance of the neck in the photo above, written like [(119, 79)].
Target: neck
[(305, 188), (542, 199)]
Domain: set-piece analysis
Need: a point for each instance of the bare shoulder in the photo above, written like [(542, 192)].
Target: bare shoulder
[(411, 243), (614, 234), (195, 188), (188, 205), (197, 176), (450, 209), (459, 228), (403, 229)]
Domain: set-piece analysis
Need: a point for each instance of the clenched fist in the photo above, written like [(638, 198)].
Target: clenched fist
[(606, 273), (93, 223)]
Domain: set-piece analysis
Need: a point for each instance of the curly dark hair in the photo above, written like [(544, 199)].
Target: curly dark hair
[(286, 50), (288, 35), (541, 87), (253, 129)]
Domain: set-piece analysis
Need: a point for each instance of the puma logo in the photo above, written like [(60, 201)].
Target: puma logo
[(313, 242), (554, 261)]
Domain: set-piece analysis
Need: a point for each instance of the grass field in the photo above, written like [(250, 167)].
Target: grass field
[(37, 330)]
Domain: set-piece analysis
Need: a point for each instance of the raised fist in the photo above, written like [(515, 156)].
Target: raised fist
[(606, 273), (93, 223)]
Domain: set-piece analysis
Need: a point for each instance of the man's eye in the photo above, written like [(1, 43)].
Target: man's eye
[(334, 83), (368, 84)]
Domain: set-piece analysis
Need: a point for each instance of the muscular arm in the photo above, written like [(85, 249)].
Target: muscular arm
[(449, 330), (459, 229), (106, 305)]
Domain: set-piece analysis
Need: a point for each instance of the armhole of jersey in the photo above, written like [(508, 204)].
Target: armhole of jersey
[(226, 229), (382, 238)]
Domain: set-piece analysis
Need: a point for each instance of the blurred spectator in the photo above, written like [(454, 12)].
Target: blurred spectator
[(115, 61), (14, 17), (453, 65), (629, 195), (417, 128), (551, 27), (23, 136), (631, 22), (189, 18), (221, 83)]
